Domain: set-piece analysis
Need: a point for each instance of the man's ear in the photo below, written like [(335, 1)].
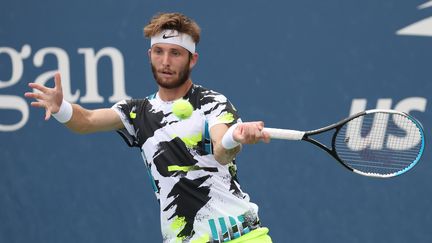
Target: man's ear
[(194, 60), (149, 53)]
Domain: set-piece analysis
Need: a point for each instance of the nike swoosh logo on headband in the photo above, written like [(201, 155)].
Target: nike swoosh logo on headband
[(169, 36)]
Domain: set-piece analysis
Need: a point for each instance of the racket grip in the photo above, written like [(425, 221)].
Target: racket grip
[(284, 133)]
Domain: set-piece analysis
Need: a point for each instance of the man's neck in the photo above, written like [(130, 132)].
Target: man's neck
[(174, 94)]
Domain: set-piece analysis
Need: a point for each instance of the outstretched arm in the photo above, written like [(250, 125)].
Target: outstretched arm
[(242, 133), (82, 120)]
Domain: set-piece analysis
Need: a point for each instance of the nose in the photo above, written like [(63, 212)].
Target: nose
[(165, 60)]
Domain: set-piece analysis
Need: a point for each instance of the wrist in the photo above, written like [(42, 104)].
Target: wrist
[(65, 112), (228, 141)]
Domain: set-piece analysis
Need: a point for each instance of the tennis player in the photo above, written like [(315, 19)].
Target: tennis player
[(191, 161)]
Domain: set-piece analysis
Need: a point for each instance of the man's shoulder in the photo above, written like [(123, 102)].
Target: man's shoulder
[(132, 102), (199, 89)]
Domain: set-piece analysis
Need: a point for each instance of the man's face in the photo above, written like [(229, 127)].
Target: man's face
[(171, 65)]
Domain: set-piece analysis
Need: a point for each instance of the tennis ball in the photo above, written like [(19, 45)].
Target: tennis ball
[(182, 109)]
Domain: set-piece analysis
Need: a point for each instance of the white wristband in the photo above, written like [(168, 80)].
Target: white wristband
[(65, 112), (228, 141)]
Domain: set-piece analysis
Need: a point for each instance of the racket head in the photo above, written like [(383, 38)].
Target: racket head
[(379, 143)]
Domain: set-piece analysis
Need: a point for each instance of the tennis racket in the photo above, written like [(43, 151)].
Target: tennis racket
[(376, 143)]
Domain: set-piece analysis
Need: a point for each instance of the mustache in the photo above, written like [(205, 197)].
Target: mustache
[(165, 70)]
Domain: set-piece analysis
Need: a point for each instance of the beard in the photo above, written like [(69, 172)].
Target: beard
[(183, 76)]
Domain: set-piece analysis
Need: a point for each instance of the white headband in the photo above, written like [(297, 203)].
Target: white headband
[(174, 37)]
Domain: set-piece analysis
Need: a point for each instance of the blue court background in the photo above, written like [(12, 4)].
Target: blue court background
[(292, 64)]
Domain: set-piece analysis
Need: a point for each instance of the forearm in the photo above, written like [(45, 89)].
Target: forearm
[(80, 121), (225, 156), (86, 121), (225, 148)]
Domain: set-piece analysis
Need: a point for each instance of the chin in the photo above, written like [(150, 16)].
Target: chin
[(170, 85)]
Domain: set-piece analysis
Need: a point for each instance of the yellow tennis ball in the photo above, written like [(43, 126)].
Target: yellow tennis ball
[(182, 109)]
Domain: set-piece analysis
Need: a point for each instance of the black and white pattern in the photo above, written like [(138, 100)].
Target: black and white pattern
[(191, 186)]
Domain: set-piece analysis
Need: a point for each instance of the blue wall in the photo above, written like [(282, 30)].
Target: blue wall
[(293, 64)]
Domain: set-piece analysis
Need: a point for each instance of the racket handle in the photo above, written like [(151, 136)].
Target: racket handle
[(284, 133)]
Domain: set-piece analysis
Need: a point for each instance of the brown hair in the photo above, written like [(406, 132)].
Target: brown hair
[(175, 21)]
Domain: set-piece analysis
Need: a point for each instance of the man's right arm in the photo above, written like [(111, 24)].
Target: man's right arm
[(81, 120)]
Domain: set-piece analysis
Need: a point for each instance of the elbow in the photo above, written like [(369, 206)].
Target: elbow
[(79, 129), (224, 156), (221, 160)]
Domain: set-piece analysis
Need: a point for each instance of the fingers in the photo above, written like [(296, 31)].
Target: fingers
[(40, 104), (48, 98), (37, 96), (47, 114), (39, 87), (252, 132), (260, 125), (37, 104), (57, 81), (44, 89), (266, 137)]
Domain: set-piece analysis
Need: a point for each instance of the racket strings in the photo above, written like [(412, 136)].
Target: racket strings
[(379, 143)]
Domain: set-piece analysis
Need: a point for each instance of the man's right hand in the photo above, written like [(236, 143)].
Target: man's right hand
[(251, 133), (48, 98)]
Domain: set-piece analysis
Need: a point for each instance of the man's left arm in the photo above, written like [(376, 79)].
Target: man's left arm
[(234, 137)]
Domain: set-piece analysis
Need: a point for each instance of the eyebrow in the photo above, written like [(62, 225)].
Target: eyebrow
[(179, 49)]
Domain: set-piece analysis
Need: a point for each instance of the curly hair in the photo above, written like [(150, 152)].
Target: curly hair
[(175, 21)]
